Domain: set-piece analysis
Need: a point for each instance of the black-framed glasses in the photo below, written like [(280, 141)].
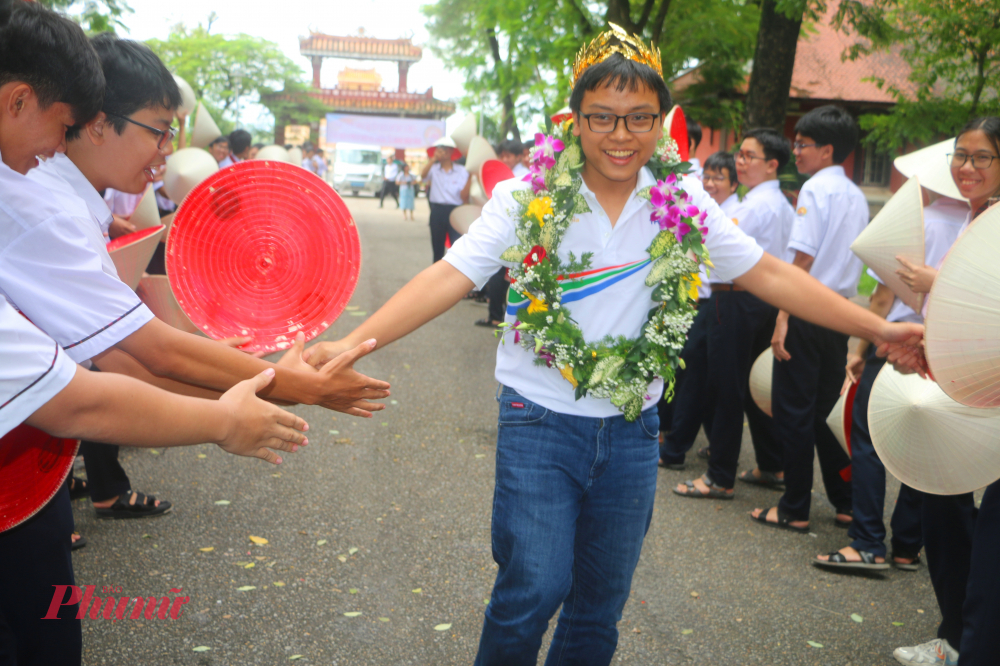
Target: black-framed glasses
[(605, 123), (798, 145), (719, 178), (979, 160), (748, 157), (165, 135)]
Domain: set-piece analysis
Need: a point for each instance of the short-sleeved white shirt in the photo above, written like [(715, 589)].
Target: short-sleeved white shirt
[(943, 221), (122, 204), (446, 186), (33, 368), (616, 304), (765, 215), (54, 265), (831, 212), (520, 171)]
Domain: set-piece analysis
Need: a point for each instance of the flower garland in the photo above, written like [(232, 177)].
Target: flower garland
[(615, 367)]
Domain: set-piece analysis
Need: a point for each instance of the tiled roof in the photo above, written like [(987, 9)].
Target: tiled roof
[(366, 48), (380, 102)]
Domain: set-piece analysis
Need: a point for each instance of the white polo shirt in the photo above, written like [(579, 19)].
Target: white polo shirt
[(54, 265), (615, 304), (831, 212), (765, 215), (446, 186)]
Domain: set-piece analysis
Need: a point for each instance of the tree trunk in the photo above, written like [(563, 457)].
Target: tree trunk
[(509, 123), (771, 78)]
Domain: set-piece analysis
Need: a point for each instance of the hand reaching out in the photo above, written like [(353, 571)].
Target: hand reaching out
[(255, 426), (345, 389), (918, 278), (902, 344), (292, 358)]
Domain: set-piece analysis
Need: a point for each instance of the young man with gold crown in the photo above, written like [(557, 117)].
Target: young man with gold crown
[(603, 246)]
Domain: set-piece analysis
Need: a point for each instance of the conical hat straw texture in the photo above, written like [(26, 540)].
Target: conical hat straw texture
[(927, 440), (155, 292), (480, 150), (760, 380), (462, 217), (146, 214), (963, 316), (205, 130), (930, 164), (185, 169), (132, 255), (897, 230), (840, 418), (463, 134), (187, 96), (274, 154), (477, 195)]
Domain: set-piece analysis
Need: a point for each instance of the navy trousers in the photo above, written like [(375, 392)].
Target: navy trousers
[(689, 409), (949, 522), (981, 611)]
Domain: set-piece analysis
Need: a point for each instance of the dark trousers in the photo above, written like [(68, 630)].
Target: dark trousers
[(949, 522), (105, 476), (868, 484), (496, 292), (441, 227), (803, 393), (981, 611), (739, 329), (392, 189), (690, 408), (34, 557)]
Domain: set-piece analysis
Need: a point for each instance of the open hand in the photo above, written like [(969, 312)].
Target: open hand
[(343, 388), (292, 358), (919, 278), (255, 426), (320, 353), (120, 227), (778, 339), (901, 343)]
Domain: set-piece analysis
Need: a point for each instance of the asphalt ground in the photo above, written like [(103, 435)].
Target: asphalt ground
[(388, 519)]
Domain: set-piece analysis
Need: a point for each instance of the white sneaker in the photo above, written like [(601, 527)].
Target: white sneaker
[(937, 651)]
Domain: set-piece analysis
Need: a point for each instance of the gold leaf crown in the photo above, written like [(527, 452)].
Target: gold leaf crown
[(630, 46)]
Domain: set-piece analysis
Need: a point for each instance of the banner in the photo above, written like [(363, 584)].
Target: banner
[(382, 131)]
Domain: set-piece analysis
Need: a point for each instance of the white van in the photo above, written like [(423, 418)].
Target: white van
[(356, 168)]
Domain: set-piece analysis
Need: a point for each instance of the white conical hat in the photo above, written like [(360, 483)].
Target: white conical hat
[(930, 164), (760, 380), (462, 217), (840, 418), (146, 214), (963, 316), (897, 230), (480, 150), (295, 156), (274, 154), (185, 169), (477, 195), (464, 132), (205, 130), (927, 440), (132, 255), (187, 96), (155, 292)]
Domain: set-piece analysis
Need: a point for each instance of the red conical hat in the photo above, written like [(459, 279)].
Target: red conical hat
[(263, 250), (445, 142), (491, 173), (841, 417), (676, 126), (33, 466)]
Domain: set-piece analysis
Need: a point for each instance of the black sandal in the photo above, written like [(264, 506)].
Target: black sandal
[(784, 521), (766, 479), (839, 561), (143, 507), (78, 487), (714, 491), (79, 543), (913, 565)]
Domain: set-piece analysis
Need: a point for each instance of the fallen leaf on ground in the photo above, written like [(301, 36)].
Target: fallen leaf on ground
[(814, 644), (334, 432), (294, 657), (276, 474), (418, 591), (201, 648), (857, 618), (222, 502), (202, 455), (342, 558), (321, 542), (351, 307), (358, 313), (352, 614), (351, 551), (278, 583), (260, 541), (897, 624), (920, 610), (685, 632), (154, 452), (443, 627), (250, 565), (353, 590), (383, 619), (207, 550), (146, 536), (246, 588), (480, 455), (694, 594), (394, 402)]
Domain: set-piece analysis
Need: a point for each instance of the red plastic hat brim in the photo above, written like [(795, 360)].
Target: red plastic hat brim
[(263, 250), (676, 125), (491, 173), (456, 154), (849, 414), (33, 466), (128, 239)]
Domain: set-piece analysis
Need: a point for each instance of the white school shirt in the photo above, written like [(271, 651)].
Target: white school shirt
[(320, 165), (765, 215), (616, 305), (54, 264), (520, 171), (696, 169), (831, 212), (447, 186), (33, 369), (943, 221), (122, 204), (229, 160)]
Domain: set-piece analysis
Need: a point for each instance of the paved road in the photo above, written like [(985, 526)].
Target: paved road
[(390, 518)]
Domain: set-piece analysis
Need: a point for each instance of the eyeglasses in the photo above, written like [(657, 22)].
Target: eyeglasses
[(718, 178), (165, 135), (798, 145), (979, 160), (747, 157), (605, 123)]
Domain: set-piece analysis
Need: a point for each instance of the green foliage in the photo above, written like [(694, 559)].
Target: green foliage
[(950, 46), (302, 111), (866, 284), (95, 16)]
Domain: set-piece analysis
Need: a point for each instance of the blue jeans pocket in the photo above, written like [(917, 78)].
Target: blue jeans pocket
[(649, 419), (516, 410)]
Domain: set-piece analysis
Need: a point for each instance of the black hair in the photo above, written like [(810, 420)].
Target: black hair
[(512, 146), (218, 139), (774, 143), (622, 74), (258, 146), (722, 160), (529, 144), (239, 140), (51, 54), (988, 125), (694, 131), (830, 125)]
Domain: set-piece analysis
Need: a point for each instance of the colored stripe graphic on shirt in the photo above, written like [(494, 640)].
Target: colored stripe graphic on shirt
[(577, 286)]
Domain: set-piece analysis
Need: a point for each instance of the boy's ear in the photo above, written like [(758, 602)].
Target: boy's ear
[(18, 100), (576, 123), (96, 128), (826, 152)]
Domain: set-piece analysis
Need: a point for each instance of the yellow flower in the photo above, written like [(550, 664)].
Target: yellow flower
[(540, 208), (594, 354), (537, 304), (567, 373), (691, 283)]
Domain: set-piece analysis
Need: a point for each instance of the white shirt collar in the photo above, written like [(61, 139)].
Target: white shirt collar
[(833, 170), (766, 186), (69, 172)]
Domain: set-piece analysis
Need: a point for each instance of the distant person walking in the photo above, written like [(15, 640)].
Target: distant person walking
[(449, 188), (389, 186), (406, 182)]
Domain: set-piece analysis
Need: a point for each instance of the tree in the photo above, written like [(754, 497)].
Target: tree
[(773, 62), (220, 67), (95, 16), (951, 47)]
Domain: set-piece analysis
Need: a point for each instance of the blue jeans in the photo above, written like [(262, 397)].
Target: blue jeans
[(573, 500)]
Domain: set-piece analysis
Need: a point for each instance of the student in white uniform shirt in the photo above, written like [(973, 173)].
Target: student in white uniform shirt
[(553, 508), (239, 148), (448, 189), (740, 324), (808, 371)]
